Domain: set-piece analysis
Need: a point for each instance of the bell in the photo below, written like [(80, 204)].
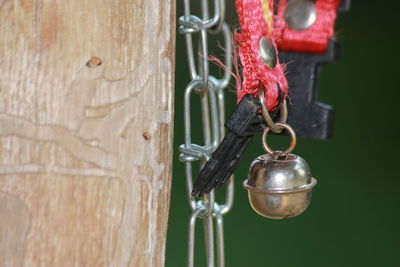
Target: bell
[(279, 186)]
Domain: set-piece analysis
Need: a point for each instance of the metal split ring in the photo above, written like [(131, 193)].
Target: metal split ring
[(282, 115), (282, 126)]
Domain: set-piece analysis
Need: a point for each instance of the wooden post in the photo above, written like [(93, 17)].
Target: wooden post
[(86, 124)]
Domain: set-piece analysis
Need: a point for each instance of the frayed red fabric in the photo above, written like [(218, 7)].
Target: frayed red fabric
[(256, 74)]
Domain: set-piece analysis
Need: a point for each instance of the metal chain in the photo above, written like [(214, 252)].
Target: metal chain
[(211, 93)]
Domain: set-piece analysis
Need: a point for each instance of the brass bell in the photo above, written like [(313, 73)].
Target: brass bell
[(279, 188), (279, 184)]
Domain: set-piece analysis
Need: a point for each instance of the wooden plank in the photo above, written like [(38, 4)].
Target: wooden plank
[(86, 124)]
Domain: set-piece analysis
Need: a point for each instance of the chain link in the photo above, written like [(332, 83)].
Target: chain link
[(211, 93)]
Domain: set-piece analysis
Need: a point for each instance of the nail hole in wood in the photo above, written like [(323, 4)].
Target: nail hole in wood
[(94, 62), (147, 135)]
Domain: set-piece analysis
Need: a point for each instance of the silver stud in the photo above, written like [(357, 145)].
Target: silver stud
[(267, 52), (300, 14)]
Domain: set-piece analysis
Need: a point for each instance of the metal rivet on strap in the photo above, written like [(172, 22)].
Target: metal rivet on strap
[(267, 52), (300, 14)]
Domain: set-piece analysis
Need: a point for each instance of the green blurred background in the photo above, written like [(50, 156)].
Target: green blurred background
[(353, 219)]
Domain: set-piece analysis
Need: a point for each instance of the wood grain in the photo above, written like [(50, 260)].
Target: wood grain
[(86, 124)]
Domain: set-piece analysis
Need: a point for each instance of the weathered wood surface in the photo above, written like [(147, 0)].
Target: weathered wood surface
[(86, 107)]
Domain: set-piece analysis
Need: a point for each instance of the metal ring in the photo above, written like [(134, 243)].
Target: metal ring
[(281, 126), (282, 115)]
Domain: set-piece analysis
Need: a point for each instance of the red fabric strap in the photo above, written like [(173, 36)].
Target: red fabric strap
[(315, 38), (256, 74)]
